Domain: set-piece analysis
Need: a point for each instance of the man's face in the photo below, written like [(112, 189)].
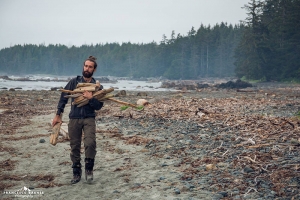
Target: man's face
[(88, 69)]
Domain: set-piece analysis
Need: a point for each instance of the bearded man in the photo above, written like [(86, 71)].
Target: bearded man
[(82, 119)]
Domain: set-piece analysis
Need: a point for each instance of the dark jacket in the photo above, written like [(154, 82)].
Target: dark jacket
[(85, 111)]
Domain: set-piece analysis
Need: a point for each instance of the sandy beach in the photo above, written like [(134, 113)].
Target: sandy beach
[(205, 144)]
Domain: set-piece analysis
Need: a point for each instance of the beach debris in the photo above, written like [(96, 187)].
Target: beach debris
[(237, 84), (249, 141), (142, 102), (210, 167), (55, 88), (142, 94), (42, 141), (121, 93), (177, 191), (8, 164), (55, 133), (59, 129), (185, 85), (120, 102), (233, 117), (248, 169)]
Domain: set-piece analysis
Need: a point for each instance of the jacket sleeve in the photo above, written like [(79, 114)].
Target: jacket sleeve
[(63, 101), (95, 104)]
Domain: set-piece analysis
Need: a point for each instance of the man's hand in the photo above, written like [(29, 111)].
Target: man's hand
[(87, 94), (56, 120)]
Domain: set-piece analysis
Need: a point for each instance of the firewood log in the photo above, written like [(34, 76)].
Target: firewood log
[(84, 85), (55, 133), (96, 85), (81, 87), (142, 102), (88, 88), (122, 102)]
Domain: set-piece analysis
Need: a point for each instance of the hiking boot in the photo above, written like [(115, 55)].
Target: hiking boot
[(89, 165), (76, 173)]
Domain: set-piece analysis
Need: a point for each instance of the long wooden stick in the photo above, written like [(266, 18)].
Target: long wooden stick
[(122, 102), (85, 84)]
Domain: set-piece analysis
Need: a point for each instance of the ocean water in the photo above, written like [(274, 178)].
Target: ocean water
[(51, 81)]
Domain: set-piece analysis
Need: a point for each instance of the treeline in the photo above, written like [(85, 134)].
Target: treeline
[(205, 52), (265, 46), (270, 47)]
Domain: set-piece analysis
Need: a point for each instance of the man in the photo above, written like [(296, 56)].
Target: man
[(81, 119)]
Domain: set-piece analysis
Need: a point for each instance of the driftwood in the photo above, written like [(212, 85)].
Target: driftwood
[(59, 129), (246, 90), (100, 95), (63, 131), (87, 88), (88, 84), (79, 90), (55, 133), (259, 146), (81, 100), (81, 87), (142, 102), (122, 102)]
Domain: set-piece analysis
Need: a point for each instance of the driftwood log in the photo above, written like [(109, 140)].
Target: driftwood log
[(59, 129), (55, 133), (122, 102), (81, 87)]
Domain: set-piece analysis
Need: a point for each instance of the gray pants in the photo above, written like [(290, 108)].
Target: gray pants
[(75, 128)]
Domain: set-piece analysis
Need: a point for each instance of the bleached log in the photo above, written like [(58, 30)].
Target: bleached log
[(54, 134), (122, 102), (142, 102)]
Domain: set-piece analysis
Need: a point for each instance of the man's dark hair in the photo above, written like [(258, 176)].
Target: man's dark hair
[(92, 59)]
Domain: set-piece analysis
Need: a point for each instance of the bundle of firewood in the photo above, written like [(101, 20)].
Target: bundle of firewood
[(100, 95)]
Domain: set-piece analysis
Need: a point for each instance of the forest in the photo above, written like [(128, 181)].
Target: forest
[(265, 46)]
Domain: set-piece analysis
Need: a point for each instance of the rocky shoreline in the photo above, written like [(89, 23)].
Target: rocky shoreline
[(102, 79), (209, 143)]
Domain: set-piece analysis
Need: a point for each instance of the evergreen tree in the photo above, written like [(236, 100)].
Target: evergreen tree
[(204, 52)]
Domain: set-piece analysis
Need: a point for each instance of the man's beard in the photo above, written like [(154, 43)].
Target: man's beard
[(87, 74)]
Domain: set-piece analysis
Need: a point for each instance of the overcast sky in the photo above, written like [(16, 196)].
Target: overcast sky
[(78, 22)]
